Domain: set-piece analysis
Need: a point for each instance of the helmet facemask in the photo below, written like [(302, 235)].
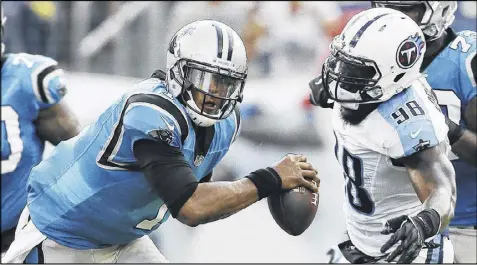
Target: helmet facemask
[(349, 79), (432, 17), (209, 91)]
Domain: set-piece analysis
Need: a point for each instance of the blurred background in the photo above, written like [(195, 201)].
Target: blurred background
[(106, 46)]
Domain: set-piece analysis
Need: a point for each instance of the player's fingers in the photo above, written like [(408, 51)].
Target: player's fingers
[(298, 158), (391, 241), (395, 253), (392, 225), (314, 179), (306, 166), (308, 174), (409, 240), (409, 255), (309, 185)]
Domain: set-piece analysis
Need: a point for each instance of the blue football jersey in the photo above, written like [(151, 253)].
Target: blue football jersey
[(450, 76), (95, 194), (29, 83)]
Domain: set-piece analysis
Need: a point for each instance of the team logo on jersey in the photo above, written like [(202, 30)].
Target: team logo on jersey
[(164, 135), (198, 160), (409, 51), (422, 145)]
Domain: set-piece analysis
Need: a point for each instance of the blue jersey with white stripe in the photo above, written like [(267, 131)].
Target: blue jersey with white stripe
[(95, 194), (450, 76), (30, 83)]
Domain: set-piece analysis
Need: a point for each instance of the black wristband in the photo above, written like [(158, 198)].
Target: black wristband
[(429, 221), (266, 180), (455, 131)]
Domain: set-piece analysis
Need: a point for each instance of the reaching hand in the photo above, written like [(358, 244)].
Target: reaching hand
[(411, 231)]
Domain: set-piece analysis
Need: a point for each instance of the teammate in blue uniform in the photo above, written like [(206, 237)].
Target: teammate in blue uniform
[(32, 87), (150, 155), (450, 66)]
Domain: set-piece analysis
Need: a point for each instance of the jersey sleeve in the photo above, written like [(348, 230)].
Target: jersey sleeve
[(154, 117), (413, 123), (466, 43), (46, 79)]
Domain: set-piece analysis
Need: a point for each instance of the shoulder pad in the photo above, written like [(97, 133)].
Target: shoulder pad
[(418, 123), (161, 107), (42, 74)]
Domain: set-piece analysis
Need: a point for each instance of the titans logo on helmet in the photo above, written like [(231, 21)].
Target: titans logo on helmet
[(409, 51)]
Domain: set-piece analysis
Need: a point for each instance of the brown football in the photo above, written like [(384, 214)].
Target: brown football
[(294, 210)]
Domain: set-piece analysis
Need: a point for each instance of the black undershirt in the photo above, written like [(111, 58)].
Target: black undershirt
[(167, 171)]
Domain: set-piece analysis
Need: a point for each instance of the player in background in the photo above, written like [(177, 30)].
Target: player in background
[(150, 155), (450, 68), (384, 119), (32, 113)]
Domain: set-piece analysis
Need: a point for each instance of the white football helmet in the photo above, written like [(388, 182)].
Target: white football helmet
[(377, 55), (207, 69), (434, 17)]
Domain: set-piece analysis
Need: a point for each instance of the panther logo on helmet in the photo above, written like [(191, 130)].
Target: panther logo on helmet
[(409, 51)]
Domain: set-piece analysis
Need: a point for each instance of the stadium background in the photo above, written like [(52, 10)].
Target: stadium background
[(105, 47)]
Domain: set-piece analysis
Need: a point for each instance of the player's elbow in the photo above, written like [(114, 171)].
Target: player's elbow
[(189, 214)]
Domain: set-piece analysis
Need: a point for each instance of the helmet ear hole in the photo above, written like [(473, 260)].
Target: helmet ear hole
[(398, 77), (444, 11)]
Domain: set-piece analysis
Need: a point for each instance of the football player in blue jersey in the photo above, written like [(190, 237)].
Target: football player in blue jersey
[(150, 155), (32, 113), (450, 66)]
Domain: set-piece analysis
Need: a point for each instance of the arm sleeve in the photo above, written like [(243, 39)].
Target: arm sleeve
[(413, 123), (167, 171), (415, 137)]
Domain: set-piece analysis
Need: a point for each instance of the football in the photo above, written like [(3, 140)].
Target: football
[(294, 210)]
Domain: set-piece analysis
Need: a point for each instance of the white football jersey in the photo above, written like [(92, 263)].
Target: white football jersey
[(377, 189)]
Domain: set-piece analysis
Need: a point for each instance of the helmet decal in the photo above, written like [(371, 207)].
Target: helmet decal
[(409, 51)]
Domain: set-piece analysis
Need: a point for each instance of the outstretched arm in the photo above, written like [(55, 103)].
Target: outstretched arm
[(433, 178), (194, 203)]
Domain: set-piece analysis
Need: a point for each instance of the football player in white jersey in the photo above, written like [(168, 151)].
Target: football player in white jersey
[(391, 140)]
